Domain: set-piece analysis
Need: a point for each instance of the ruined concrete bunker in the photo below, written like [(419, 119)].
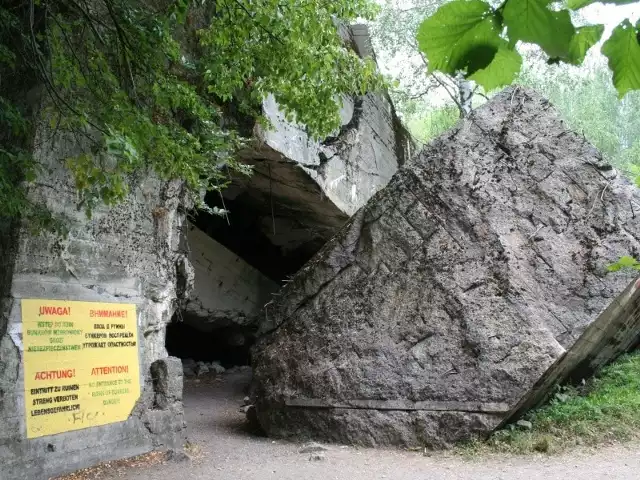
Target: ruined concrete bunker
[(434, 313)]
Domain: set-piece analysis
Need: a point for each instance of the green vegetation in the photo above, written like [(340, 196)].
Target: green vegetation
[(432, 123), (487, 42), (150, 85), (625, 262), (605, 409)]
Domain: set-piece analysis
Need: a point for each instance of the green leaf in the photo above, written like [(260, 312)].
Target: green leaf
[(577, 4), (624, 262), (531, 21), (638, 181), (501, 71), (582, 41), (460, 35), (623, 51)]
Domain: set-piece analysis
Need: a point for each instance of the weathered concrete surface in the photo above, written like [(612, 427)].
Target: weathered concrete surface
[(131, 253), (227, 290), (302, 191), (430, 315)]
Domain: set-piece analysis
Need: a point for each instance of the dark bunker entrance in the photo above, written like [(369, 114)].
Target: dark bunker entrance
[(228, 347), (240, 259)]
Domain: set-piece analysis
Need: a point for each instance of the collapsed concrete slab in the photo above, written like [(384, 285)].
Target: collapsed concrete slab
[(614, 332), (440, 304)]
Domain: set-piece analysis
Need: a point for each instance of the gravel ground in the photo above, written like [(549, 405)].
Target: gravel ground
[(223, 449)]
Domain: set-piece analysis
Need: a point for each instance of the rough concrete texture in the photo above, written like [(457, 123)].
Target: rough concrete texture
[(439, 305), (131, 253), (227, 290)]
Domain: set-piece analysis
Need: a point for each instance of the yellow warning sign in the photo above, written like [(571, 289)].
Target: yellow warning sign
[(80, 364)]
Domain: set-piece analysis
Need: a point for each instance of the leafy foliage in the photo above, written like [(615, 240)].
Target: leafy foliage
[(584, 38), (501, 71), (291, 50), (623, 51), (531, 21), (142, 85), (460, 36), (625, 262), (472, 36), (416, 90)]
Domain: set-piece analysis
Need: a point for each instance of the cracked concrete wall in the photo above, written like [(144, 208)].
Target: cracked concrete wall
[(227, 290), (131, 253)]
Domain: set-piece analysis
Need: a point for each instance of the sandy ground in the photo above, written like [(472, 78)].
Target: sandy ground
[(224, 450)]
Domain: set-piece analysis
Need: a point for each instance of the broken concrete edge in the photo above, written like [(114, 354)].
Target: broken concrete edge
[(615, 332), (400, 405)]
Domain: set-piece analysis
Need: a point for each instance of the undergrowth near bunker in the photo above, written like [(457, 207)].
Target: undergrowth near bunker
[(605, 409)]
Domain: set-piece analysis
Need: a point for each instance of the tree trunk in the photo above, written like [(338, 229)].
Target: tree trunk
[(465, 95)]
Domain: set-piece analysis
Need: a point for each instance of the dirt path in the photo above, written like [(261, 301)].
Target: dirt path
[(228, 452)]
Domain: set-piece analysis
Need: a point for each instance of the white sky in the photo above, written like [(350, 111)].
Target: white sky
[(610, 15)]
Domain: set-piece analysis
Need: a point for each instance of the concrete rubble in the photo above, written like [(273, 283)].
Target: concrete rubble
[(432, 314), (191, 368)]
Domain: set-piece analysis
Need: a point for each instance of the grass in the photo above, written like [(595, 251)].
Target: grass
[(605, 409)]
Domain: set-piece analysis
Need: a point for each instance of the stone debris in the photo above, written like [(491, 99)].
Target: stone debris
[(239, 369), (217, 368), (524, 424), (313, 447), (191, 368), (435, 310), (317, 457), (202, 368), (245, 409), (178, 456)]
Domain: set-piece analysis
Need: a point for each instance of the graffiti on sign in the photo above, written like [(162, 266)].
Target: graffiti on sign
[(80, 364)]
